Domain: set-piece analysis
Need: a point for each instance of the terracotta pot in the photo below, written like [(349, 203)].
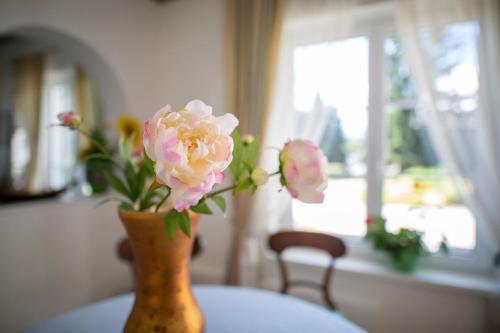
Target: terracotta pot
[(164, 301)]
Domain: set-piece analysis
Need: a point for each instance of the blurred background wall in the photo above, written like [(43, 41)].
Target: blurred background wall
[(56, 256)]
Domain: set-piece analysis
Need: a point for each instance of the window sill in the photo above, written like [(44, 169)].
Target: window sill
[(486, 284)]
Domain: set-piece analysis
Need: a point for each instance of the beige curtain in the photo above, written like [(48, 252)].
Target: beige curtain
[(86, 104), (253, 31), (28, 72)]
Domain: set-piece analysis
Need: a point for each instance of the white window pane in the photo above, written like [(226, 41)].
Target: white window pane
[(331, 98), (418, 192)]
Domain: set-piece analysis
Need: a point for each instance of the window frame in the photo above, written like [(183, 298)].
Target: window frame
[(377, 25)]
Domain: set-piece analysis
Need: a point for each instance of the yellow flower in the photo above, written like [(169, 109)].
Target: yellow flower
[(130, 127)]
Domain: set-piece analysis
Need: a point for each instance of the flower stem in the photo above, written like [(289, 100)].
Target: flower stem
[(95, 142), (222, 190), (100, 147), (232, 187), (158, 206)]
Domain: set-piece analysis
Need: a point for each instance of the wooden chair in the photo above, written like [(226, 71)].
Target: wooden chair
[(125, 253), (335, 247)]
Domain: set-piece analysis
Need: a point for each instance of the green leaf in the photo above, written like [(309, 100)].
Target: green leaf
[(149, 165), (126, 206), (220, 202), (235, 166), (125, 147), (142, 175), (154, 185), (97, 165), (173, 219), (201, 208), (185, 223), (117, 183), (148, 200), (282, 180), (247, 166), (98, 157), (170, 223), (131, 178), (252, 153), (243, 185)]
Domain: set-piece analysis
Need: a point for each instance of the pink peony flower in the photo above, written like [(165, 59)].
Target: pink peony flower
[(191, 149), (304, 169), (70, 119)]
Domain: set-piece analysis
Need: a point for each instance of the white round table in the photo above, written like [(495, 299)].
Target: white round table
[(226, 309)]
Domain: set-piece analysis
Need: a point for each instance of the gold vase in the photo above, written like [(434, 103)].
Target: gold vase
[(164, 301)]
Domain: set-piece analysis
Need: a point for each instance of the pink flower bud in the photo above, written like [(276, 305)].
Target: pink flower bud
[(247, 139), (70, 119), (259, 176)]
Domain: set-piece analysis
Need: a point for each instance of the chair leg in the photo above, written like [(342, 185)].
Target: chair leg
[(326, 296), (326, 287), (284, 275), (284, 288)]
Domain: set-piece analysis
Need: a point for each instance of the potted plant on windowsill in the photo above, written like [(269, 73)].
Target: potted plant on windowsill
[(165, 184), (404, 248)]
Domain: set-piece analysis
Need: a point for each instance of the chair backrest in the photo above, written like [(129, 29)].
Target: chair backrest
[(334, 246), (282, 240)]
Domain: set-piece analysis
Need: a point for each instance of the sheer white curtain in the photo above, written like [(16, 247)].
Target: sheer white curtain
[(57, 147), (305, 22), (459, 94)]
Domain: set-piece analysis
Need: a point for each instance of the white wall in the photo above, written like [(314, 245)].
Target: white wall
[(57, 256), (158, 53), (54, 257)]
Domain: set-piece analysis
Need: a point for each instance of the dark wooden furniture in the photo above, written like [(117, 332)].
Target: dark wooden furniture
[(125, 253), (334, 246), (13, 196)]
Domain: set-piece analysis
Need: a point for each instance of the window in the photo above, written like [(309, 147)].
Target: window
[(62, 158), (418, 192), (331, 90), (357, 99)]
